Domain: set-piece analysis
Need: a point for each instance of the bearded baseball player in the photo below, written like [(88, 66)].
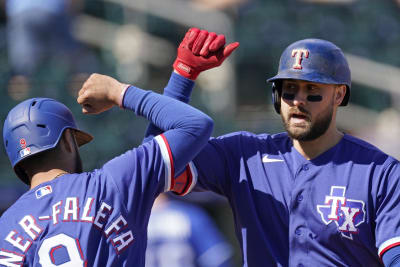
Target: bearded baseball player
[(310, 196), (97, 218)]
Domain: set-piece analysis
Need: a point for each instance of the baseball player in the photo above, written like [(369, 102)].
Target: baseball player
[(96, 218), (310, 196), (183, 235)]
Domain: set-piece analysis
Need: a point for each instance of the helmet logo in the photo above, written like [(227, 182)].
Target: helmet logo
[(22, 143), (299, 54), (25, 150)]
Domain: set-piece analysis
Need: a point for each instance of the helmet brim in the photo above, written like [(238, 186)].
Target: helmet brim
[(304, 76), (82, 137)]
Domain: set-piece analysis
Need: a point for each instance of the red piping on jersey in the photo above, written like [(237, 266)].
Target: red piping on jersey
[(387, 248)]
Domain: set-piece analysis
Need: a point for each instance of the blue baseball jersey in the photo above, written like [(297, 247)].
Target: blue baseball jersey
[(339, 209), (182, 235), (96, 218)]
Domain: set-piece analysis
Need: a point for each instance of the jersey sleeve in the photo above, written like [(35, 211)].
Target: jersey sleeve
[(141, 174), (212, 167), (387, 231), (392, 257), (210, 161), (186, 128), (138, 172), (217, 165), (209, 171)]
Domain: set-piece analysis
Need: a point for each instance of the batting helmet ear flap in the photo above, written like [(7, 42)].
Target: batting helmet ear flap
[(276, 96)]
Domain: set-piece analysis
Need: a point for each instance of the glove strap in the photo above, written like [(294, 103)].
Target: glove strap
[(185, 70)]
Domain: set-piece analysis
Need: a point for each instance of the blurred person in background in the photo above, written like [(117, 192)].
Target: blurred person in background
[(183, 235), (38, 32)]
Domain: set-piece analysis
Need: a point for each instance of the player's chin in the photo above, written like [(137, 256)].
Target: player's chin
[(298, 132)]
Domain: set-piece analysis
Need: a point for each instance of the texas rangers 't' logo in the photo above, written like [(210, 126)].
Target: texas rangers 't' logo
[(346, 213), (299, 55)]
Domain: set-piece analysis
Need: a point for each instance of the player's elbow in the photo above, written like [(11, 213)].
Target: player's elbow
[(205, 126)]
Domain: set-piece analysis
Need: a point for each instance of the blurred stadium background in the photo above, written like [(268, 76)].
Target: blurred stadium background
[(136, 40)]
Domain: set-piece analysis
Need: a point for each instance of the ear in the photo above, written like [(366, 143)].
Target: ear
[(340, 92)]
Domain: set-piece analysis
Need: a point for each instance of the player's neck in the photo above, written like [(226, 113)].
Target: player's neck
[(312, 149), (45, 176)]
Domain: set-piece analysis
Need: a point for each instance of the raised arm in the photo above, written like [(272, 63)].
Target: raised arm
[(186, 129), (199, 50)]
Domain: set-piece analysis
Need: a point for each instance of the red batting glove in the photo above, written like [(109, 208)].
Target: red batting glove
[(200, 51)]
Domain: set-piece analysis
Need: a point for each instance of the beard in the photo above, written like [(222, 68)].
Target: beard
[(309, 131)]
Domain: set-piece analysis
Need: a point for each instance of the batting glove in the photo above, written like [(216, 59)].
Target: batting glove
[(201, 50)]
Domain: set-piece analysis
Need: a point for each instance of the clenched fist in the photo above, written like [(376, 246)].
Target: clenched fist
[(100, 93), (201, 50)]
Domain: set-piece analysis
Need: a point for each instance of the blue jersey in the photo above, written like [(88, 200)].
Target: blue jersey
[(100, 218), (182, 235), (97, 218), (339, 209)]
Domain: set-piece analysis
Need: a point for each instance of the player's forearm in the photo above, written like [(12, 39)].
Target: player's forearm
[(179, 88), (187, 129), (165, 112)]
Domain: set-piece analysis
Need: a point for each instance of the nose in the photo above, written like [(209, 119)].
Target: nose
[(300, 98)]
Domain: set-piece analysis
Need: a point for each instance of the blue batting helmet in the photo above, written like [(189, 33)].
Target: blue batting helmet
[(312, 60), (36, 125)]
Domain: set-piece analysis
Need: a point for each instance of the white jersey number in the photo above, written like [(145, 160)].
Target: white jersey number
[(50, 245)]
